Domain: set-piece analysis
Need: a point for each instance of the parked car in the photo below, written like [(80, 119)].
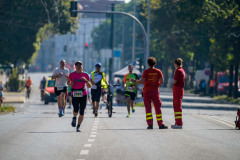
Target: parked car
[(49, 95)]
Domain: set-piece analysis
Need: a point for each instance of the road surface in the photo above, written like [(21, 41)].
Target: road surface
[(35, 132)]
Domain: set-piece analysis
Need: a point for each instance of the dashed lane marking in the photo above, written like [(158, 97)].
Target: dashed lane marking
[(87, 145), (93, 132), (93, 136), (91, 140), (84, 152)]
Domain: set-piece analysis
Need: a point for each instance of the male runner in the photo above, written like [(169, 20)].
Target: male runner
[(130, 88), (78, 80), (98, 81), (60, 75)]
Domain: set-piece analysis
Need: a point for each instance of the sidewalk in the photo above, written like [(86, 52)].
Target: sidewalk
[(14, 97)]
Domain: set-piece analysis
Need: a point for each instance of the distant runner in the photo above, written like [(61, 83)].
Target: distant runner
[(131, 88), (152, 79), (78, 80), (60, 75)]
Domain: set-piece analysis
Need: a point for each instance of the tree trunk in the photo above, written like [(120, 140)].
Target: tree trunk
[(230, 90), (236, 81)]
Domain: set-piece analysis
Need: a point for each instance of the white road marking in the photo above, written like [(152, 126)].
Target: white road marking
[(91, 140), (79, 159), (94, 129), (87, 145), (92, 136), (93, 132), (220, 120), (84, 152)]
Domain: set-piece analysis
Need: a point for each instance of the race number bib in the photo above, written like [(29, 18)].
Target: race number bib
[(129, 88), (77, 94), (60, 88)]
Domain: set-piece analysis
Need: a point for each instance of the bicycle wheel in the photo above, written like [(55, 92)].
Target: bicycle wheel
[(110, 109)]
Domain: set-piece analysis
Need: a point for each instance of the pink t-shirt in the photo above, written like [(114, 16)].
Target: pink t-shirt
[(78, 83)]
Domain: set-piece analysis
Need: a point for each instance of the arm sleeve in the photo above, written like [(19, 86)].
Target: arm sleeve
[(160, 74), (176, 75), (54, 72), (144, 74)]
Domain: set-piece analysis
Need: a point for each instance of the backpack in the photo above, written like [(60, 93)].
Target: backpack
[(237, 122)]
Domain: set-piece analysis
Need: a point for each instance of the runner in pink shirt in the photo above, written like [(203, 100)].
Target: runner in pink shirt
[(78, 80)]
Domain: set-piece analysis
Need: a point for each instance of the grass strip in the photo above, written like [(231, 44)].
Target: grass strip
[(225, 98), (7, 108)]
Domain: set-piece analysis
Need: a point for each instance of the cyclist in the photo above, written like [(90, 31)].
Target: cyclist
[(98, 81), (28, 87), (152, 79), (42, 86), (78, 80), (130, 88), (60, 75)]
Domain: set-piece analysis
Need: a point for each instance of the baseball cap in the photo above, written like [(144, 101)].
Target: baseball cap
[(78, 62)]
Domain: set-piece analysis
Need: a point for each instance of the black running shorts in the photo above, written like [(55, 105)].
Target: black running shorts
[(79, 104), (96, 94), (132, 95), (58, 90)]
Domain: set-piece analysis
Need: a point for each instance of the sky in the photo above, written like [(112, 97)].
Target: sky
[(126, 1)]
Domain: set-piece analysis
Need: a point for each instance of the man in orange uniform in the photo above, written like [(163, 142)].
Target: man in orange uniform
[(178, 92), (152, 79)]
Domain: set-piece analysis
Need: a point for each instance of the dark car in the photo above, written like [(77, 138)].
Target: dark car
[(49, 95)]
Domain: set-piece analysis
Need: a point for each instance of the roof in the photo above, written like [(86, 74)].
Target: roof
[(125, 71)]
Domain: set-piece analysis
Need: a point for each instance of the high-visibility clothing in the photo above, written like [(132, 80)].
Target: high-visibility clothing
[(155, 98), (178, 93), (103, 81)]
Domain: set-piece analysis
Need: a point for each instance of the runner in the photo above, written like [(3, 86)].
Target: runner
[(98, 81), (28, 87), (78, 80), (130, 88), (60, 75), (42, 86), (178, 92), (152, 79)]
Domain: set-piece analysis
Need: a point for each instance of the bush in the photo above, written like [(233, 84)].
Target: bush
[(13, 83)]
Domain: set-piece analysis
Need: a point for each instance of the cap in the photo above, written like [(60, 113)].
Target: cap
[(98, 65), (78, 62)]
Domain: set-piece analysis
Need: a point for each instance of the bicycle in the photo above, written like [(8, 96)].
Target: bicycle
[(109, 99)]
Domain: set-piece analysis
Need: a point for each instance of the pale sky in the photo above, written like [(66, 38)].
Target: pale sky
[(126, 1)]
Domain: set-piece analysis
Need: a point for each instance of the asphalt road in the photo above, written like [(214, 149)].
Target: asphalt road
[(36, 132)]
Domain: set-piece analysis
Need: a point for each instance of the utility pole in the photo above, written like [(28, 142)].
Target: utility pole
[(148, 34), (123, 36), (84, 41), (111, 69), (133, 39)]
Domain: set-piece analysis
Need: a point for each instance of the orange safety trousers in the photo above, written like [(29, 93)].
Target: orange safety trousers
[(155, 98), (178, 93)]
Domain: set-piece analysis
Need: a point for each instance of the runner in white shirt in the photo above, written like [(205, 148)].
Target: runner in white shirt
[(61, 75)]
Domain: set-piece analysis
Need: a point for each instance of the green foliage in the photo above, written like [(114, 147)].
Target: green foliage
[(22, 20), (14, 82), (7, 108)]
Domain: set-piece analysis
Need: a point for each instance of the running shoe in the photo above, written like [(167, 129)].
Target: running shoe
[(150, 127), (176, 127), (74, 121), (163, 127), (96, 114), (60, 112), (78, 128), (128, 116), (133, 110), (69, 107)]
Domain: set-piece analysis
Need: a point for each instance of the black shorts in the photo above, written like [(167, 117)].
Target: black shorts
[(79, 104), (132, 95), (69, 94), (58, 92), (96, 94)]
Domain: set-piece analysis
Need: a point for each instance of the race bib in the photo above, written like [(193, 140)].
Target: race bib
[(129, 88), (60, 88), (77, 94)]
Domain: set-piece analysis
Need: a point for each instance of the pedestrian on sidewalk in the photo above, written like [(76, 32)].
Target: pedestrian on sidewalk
[(1, 93), (152, 79), (178, 92)]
